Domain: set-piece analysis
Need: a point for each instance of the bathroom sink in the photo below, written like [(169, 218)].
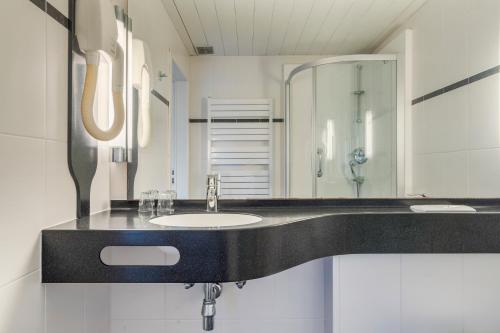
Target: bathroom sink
[(206, 220)]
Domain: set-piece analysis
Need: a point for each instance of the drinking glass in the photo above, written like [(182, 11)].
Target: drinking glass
[(147, 201), (166, 202)]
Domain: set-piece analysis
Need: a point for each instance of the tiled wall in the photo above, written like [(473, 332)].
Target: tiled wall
[(456, 134), (36, 189), (414, 293)]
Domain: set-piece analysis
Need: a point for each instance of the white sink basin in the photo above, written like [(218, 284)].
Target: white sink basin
[(208, 220)]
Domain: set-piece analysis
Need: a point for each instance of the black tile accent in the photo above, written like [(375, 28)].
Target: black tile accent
[(160, 97), (40, 4), (58, 16), (52, 12), (232, 120), (485, 74), (197, 120), (458, 84)]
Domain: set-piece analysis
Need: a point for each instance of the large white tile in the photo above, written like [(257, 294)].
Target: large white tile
[(65, 308), (21, 204), (441, 123), (57, 81), (481, 293), (60, 191), (484, 113), (294, 326), (483, 34), (139, 326), (137, 301), (484, 174), (192, 326), (22, 305), (22, 87), (258, 299), (97, 308), (427, 49), (455, 25), (441, 174), (308, 284), (431, 293), (182, 304), (369, 293)]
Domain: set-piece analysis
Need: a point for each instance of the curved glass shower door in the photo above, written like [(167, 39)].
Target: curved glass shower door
[(354, 129)]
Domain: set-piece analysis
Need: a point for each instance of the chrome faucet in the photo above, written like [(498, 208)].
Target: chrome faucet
[(213, 192)]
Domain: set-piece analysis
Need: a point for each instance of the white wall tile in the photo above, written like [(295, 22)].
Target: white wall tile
[(65, 308), (140, 326), (483, 34), (369, 293), (427, 48), (484, 115), (481, 293), (182, 304), (294, 326), (57, 81), (259, 299), (484, 175), (22, 87), (137, 301), (21, 204), (191, 326), (308, 285), (441, 174), (60, 192), (431, 293), (441, 123), (22, 305), (454, 42), (97, 308)]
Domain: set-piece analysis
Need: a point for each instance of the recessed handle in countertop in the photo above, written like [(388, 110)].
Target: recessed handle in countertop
[(140, 255)]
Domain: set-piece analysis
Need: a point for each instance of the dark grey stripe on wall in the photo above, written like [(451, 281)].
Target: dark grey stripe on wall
[(458, 84), (52, 12), (160, 97), (231, 120)]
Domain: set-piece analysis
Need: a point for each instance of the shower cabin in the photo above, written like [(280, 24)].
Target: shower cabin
[(341, 133)]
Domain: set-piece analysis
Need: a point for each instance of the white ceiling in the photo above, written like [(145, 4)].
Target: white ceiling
[(287, 27)]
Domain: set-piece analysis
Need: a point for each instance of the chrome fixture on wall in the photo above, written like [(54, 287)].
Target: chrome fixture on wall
[(211, 291), (358, 156), (213, 192)]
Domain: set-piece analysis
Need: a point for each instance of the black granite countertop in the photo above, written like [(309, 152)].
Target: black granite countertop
[(291, 232)]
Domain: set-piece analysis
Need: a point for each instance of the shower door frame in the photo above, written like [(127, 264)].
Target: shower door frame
[(313, 65)]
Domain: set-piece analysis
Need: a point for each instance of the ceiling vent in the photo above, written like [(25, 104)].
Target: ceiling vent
[(203, 50)]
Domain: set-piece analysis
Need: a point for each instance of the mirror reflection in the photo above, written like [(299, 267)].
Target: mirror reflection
[(321, 99)]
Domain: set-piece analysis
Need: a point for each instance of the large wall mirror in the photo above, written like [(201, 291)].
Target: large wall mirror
[(314, 98)]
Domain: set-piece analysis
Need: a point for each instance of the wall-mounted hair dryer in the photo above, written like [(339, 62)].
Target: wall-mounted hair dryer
[(141, 79), (97, 31)]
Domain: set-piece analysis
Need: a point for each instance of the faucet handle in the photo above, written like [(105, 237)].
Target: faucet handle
[(218, 187)]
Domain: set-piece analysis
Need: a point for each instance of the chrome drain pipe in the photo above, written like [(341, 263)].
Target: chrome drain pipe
[(211, 292)]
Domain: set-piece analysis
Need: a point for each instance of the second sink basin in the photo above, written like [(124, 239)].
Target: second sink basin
[(205, 220)]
